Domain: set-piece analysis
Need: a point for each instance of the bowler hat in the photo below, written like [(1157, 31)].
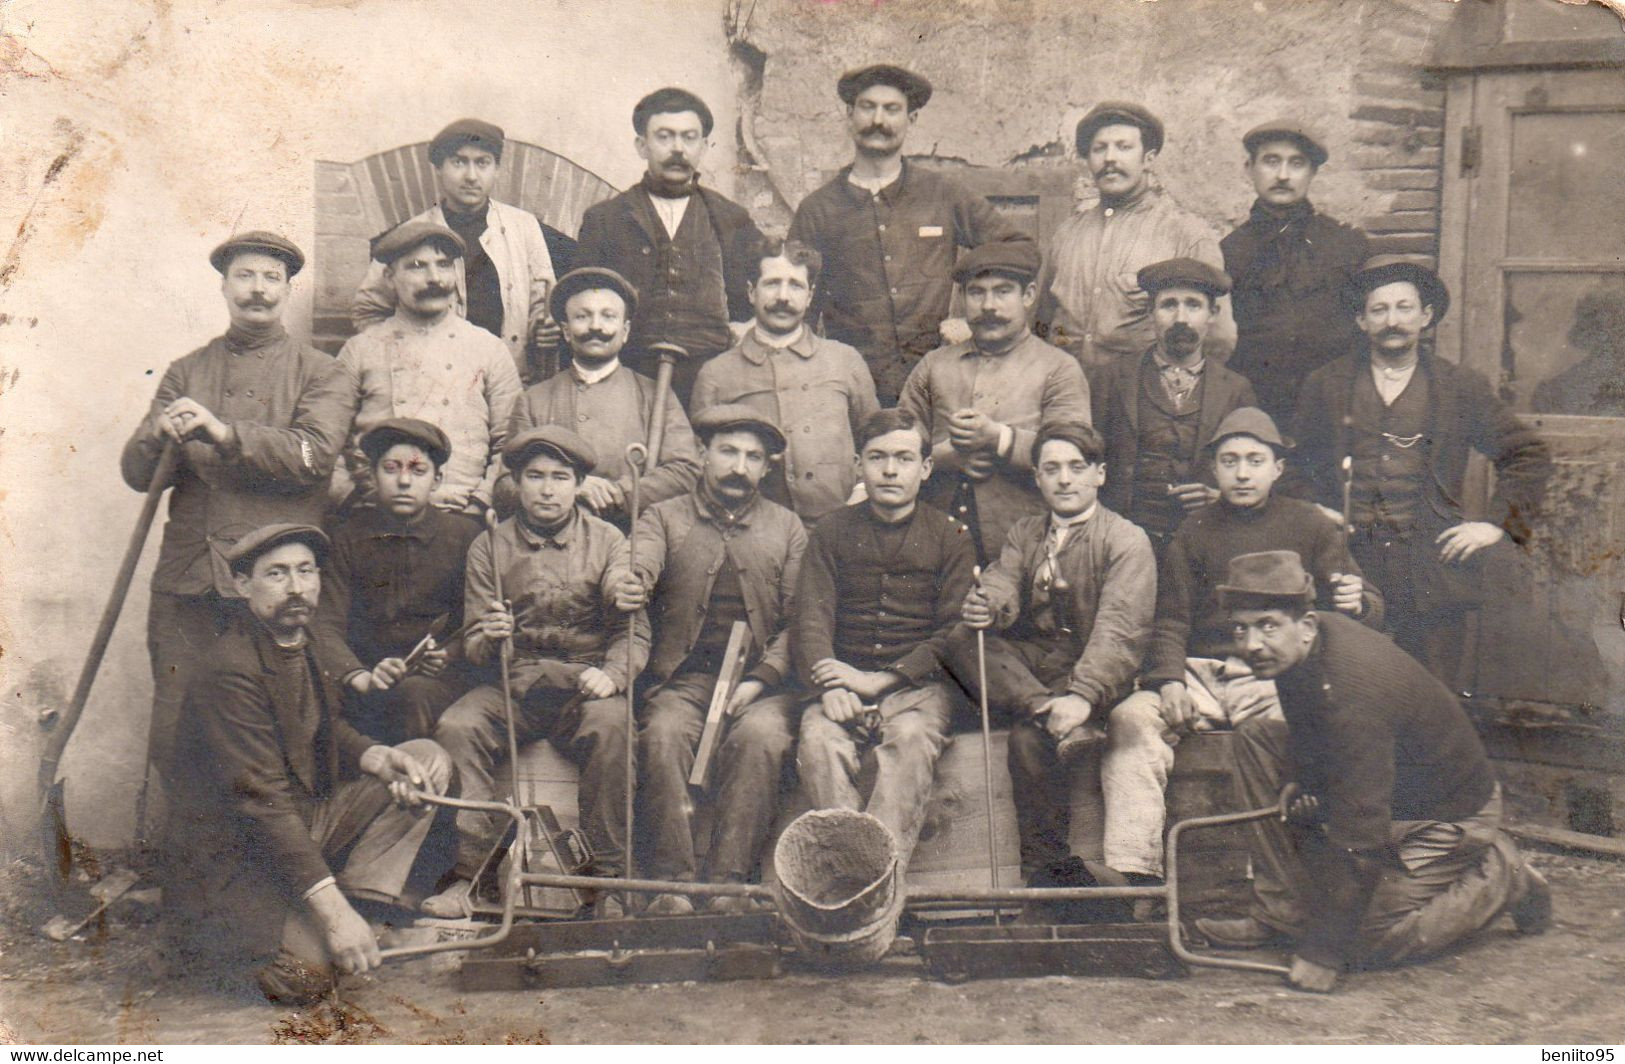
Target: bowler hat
[(1268, 577), (914, 88), (482, 135), (1184, 273), (1390, 269), (413, 234), (729, 417), (259, 240), (1119, 113), (1012, 258), (668, 101), (390, 431), (1251, 421), (240, 556), (550, 439), (585, 279), (1298, 134)]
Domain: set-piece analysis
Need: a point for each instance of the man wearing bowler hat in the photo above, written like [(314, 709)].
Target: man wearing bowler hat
[(501, 283), (1394, 819), (1090, 301), (424, 361), (888, 231), (982, 400), (1289, 264), (1399, 423)]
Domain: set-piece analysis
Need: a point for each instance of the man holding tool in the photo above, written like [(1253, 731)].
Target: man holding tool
[(716, 560), (569, 661)]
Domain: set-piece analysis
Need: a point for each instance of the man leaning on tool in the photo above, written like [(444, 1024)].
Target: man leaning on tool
[(569, 658), (278, 789), (1395, 816), (1070, 601), (881, 586), (502, 283), (704, 561)]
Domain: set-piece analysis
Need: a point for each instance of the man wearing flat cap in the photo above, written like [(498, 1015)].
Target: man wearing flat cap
[(502, 280), (684, 247), (572, 656), (1090, 301), (888, 231), (706, 561), (276, 788), (1389, 428), (606, 402), (1156, 410), (1289, 264), (983, 400), (394, 589), (425, 361), (1394, 819), (258, 418)]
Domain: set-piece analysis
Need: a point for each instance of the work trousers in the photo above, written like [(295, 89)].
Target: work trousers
[(1140, 754), (592, 733), (1429, 627), (181, 633), (747, 778), (899, 754), (410, 709)]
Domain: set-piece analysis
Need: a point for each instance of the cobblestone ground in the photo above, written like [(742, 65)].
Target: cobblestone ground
[(1560, 988)]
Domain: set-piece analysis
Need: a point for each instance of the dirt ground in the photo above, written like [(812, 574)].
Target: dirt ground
[(1561, 988)]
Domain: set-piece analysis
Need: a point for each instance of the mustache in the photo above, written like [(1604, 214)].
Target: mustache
[(735, 480), (1391, 332), (1110, 168), (256, 301), (432, 290), (294, 602), (876, 128), (990, 319), (1180, 331), (1280, 186), (780, 308), (594, 334)]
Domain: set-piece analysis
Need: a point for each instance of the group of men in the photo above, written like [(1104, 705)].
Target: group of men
[(373, 563)]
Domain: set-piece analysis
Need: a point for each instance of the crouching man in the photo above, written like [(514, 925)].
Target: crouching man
[(719, 555), (569, 658), (1071, 596), (1395, 817), (277, 787)]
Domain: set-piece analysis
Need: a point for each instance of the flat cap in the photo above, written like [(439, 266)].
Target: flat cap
[(240, 555), (263, 242), (555, 440), (1011, 258), (1250, 421), (1391, 269), (669, 101), (390, 431), (412, 234), (585, 279), (482, 135), (1184, 273), (737, 417), (915, 88), (1264, 578), (1119, 113), (1297, 133)]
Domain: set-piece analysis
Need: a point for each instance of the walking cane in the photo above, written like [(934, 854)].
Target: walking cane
[(987, 749), (504, 658), (636, 455)]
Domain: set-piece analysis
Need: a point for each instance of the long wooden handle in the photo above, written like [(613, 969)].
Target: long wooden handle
[(669, 354)]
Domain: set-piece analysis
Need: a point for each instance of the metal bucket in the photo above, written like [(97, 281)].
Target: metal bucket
[(839, 886)]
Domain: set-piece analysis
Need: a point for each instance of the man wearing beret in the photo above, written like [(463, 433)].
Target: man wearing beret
[(1090, 301), (424, 361), (1398, 423), (259, 418), (572, 654), (503, 280), (719, 555), (684, 247), (396, 576), (277, 789), (1396, 822), (819, 390), (1290, 264), (607, 403), (983, 400), (1158, 409), (888, 231)]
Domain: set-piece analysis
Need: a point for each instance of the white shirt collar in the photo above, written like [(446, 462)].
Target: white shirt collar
[(594, 376)]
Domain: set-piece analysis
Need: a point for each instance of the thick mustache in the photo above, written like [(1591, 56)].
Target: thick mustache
[(1181, 331), (989, 319), (294, 602), (431, 290), (677, 162), (601, 337), (735, 480), (781, 308), (874, 129)]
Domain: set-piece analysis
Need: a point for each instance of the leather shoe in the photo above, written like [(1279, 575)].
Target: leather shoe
[(1532, 909), (669, 905), (287, 980), (1242, 933), (451, 903)]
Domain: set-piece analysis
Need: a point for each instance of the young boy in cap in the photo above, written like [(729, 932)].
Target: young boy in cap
[(706, 560), (573, 653), (395, 584)]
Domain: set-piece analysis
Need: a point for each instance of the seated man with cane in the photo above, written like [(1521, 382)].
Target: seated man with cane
[(573, 653), (1071, 596)]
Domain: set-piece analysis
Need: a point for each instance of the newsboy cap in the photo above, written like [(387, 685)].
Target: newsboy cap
[(1391, 269), (240, 556), (585, 279), (1295, 132), (1183, 273), (914, 88), (263, 242), (413, 234), (737, 417), (482, 135), (390, 431), (554, 440), (1119, 113), (669, 101), (1251, 421), (1263, 579), (1009, 258)]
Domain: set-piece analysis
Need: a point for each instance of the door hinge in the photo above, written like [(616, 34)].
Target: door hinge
[(1472, 149)]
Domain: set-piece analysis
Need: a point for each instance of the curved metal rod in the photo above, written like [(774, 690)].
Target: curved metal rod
[(1176, 935)]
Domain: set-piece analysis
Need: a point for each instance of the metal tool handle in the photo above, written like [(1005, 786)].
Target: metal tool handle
[(637, 456), (504, 663), (1176, 934), (987, 749)]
